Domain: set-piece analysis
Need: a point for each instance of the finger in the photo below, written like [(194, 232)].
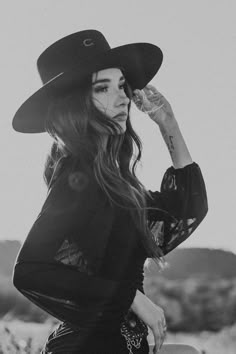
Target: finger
[(153, 88), (148, 89), (155, 350), (139, 97), (136, 100), (155, 99), (153, 96), (157, 339), (135, 95), (162, 334), (135, 91), (148, 92)]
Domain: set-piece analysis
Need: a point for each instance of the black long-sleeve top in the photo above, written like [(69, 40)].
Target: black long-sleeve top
[(82, 261)]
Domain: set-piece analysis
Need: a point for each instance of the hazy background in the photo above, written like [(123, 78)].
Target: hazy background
[(197, 77)]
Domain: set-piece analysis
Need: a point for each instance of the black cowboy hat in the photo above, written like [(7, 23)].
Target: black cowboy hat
[(64, 64)]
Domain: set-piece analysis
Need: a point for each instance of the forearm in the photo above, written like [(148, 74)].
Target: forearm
[(140, 304), (152, 315), (152, 102), (136, 301), (175, 143)]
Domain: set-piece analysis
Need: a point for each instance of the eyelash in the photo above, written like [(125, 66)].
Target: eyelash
[(99, 89)]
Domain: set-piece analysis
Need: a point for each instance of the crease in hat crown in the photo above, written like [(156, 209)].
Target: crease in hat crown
[(65, 63)]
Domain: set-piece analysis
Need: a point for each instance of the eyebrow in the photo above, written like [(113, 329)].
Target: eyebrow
[(106, 80)]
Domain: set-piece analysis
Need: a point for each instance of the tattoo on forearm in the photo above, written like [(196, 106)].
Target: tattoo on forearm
[(170, 144), (169, 141)]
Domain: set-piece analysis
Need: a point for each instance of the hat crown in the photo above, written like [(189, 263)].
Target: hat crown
[(69, 52)]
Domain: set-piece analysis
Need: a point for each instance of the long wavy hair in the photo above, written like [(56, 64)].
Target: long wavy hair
[(75, 124)]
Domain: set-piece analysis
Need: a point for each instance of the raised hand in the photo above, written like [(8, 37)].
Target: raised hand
[(151, 101)]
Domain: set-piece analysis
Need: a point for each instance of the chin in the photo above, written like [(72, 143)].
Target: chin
[(123, 128), (122, 131)]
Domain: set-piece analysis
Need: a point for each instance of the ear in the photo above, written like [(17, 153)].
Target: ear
[(78, 181)]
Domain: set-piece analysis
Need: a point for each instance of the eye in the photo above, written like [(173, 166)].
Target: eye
[(123, 85), (99, 89)]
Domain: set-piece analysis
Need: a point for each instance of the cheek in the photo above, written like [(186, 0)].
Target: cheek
[(104, 104), (100, 102)]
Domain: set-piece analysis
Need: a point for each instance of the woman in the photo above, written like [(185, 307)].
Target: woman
[(83, 258)]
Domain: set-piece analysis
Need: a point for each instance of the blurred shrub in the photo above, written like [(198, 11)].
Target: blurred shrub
[(14, 305), (194, 304)]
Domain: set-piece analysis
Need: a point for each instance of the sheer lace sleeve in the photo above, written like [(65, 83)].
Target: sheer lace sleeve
[(180, 206), (58, 265)]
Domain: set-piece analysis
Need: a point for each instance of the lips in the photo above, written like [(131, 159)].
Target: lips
[(121, 116)]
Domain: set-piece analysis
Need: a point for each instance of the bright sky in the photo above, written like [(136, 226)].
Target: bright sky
[(197, 77)]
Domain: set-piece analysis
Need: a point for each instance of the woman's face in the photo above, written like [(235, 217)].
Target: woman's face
[(108, 95)]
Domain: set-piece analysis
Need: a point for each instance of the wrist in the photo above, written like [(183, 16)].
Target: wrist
[(167, 123), (163, 117), (136, 302)]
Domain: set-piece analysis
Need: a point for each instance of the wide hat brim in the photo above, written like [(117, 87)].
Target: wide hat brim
[(140, 62)]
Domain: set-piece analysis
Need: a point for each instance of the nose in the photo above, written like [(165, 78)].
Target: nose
[(122, 98)]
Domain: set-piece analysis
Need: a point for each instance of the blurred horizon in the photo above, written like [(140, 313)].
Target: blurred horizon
[(183, 246)]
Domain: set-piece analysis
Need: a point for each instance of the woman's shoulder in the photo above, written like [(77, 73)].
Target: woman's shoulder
[(74, 182), (74, 174)]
